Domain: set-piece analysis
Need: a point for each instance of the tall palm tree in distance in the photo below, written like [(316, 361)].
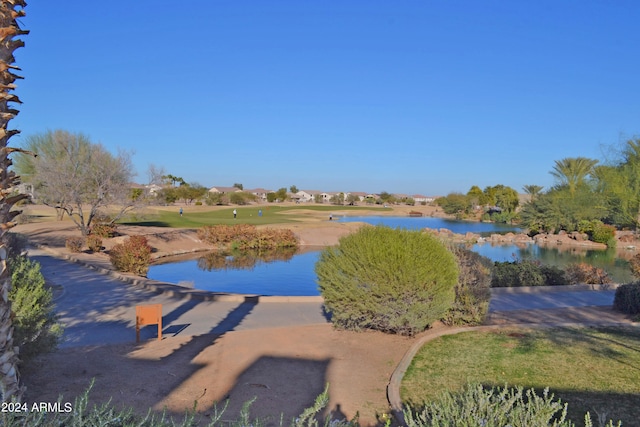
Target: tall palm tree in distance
[(532, 190), (573, 171), (10, 11)]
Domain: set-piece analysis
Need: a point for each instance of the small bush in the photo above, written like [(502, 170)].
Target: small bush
[(495, 407), (472, 290), (395, 281), (627, 299), (634, 265), (517, 273), (132, 256), (554, 276), (604, 233), (526, 273), (104, 230), (36, 328), (598, 231), (94, 243), (74, 244), (583, 273)]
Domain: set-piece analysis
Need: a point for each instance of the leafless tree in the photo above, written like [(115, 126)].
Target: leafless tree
[(81, 178)]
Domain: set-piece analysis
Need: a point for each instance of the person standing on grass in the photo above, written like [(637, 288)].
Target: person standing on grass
[(180, 211), (235, 214)]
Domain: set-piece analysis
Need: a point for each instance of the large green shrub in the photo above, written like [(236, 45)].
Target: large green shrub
[(598, 231), (472, 290), (132, 256), (395, 281), (627, 299), (494, 407), (36, 327)]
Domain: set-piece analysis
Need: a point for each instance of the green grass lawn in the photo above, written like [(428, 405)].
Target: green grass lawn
[(271, 214), (593, 369)]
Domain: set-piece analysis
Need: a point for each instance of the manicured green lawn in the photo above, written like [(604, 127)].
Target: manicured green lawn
[(271, 214), (593, 369)]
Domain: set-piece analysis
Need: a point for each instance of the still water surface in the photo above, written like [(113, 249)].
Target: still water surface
[(296, 276)]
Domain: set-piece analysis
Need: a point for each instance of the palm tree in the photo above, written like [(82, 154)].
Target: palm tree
[(573, 171), (10, 11), (532, 190)]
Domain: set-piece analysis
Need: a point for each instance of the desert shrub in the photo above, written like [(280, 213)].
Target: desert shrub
[(472, 290), (225, 234), (132, 256), (627, 299), (36, 327), (634, 265), (271, 238), (81, 414), (395, 281), (94, 243), (583, 273), (104, 230), (494, 407), (245, 236), (74, 244)]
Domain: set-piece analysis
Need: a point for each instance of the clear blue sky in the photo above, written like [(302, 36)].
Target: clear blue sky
[(404, 96)]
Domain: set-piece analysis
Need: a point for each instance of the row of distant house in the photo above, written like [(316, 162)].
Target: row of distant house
[(302, 196), (305, 196)]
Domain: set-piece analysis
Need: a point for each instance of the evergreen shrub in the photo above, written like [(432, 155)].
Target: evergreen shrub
[(391, 280), (494, 407), (526, 273), (598, 231), (74, 244), (36, 327), (132, 256), (627, 299), (472, 290)]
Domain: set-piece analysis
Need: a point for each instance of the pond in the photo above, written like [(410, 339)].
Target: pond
[(293, 274), (418, 223)]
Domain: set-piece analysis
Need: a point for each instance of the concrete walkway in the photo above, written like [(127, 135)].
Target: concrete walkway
[(99, 309)]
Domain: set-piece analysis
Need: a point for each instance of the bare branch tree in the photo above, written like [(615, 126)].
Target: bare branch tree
[(81, 178)]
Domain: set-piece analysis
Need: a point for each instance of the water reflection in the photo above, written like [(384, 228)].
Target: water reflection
[(243, 260), (560, 256)]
